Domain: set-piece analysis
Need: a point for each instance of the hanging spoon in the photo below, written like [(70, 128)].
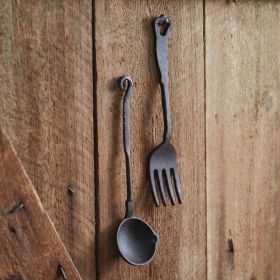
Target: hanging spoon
[(137, 241)]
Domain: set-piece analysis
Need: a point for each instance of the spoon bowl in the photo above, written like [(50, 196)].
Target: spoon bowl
[(137, 242)]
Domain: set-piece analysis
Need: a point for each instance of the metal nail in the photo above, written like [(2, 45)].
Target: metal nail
[(19, 206), (61, 272)]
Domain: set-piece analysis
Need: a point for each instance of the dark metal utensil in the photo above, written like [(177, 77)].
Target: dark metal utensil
[(137, 241), (162, 161)]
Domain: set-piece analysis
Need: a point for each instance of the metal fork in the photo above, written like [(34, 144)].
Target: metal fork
[(162, 160)]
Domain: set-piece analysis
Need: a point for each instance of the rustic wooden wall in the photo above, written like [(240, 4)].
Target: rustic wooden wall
[(243, 131), (60, 105), (46, 108), (30, 247)]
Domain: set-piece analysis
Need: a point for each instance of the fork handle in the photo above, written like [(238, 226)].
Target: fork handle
[(161, 49)]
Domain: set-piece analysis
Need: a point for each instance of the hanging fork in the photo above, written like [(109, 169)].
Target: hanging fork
[(162, 160)]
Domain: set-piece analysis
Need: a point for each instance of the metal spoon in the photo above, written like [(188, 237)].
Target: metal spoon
[(137, 241)]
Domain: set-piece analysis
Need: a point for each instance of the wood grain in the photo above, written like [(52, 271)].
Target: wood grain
[(243, 148), (46, 107), (124, 45), (30, 247)]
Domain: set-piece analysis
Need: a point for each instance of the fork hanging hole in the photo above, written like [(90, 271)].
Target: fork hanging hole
[(163, 27)]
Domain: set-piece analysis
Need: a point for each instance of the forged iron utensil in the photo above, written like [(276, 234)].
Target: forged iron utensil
[(137, 241), (162, 161)]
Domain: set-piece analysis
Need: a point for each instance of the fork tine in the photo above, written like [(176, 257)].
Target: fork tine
[(169, 187), (153, 184), (177, 184), (161, 187)]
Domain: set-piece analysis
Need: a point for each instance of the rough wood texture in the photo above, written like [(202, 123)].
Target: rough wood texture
[(243, 131), (46, 107), (124, 45), (30, 247)]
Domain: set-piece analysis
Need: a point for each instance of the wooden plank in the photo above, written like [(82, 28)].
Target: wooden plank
[(243, 148), (46, 107), (124, 45), (30, 247)]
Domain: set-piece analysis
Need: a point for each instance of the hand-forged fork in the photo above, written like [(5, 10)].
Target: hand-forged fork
[(162, 161)]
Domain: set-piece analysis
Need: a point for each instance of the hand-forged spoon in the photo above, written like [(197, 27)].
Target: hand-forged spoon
[(137, 241)]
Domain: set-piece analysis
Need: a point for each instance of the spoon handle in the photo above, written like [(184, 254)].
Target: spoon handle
[(126, 84), (162, 28)]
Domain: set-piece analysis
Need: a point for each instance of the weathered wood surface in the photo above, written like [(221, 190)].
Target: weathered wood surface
[(46, 87), (124, 45), (46, 107), (243, 131), (30, 247)]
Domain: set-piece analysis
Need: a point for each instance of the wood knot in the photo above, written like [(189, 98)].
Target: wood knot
[(230, 246), (14, 276), (13, 229), (231, 254)]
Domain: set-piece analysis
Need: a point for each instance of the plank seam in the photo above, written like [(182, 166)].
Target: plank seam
[(205, 138), (95, 143)]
